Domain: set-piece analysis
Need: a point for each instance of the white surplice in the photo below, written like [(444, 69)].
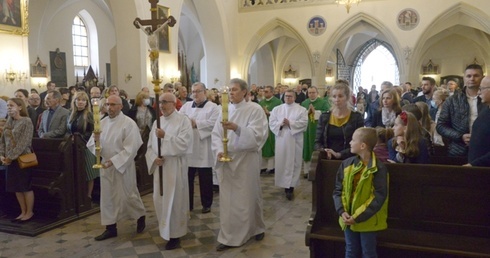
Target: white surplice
[(289, 142), (172, 208), (119, 140), (240, 196), (205, 117)]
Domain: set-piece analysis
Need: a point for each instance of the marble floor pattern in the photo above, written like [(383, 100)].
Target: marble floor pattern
[(284, 237)]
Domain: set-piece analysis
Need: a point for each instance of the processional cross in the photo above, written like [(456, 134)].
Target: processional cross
[(156, 24)]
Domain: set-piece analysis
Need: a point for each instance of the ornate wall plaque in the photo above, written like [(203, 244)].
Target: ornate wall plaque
[(317, 26), (408, 19), (58, 67)]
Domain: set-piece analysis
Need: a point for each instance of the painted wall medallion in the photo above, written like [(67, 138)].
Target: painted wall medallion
[(408, 19), (317, 25)]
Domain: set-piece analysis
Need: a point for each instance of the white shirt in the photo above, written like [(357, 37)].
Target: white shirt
[(473, 102)]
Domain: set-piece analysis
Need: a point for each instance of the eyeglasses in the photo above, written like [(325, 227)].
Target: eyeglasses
[(112, 104), (483, 88), (196, 91), (165, 102), (288, 96)]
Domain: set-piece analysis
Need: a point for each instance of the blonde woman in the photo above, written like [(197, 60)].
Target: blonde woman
[(336, 127), (81, 121)]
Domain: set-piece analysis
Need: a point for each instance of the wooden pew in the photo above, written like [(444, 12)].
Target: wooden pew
[(434, 211), (58, 183)]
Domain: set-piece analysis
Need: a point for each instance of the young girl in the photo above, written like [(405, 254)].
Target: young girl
[(381, 148), (408, 145)]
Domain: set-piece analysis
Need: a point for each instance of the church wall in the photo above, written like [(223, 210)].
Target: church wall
[(384, 12), (217, 19), (226, 36), (264, 67), (194, 51), (452, 54), (51, 29), (13, 54), (300, 65)]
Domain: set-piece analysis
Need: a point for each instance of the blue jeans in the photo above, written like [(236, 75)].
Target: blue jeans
[(360, 244)]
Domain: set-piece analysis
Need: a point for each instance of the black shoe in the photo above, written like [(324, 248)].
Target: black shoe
[(289, 195), (305, 175), (206, 210), (222, 247), (263, 171), (260, 236), (271, 172), (172, 244), (106, 235), (141, 224)]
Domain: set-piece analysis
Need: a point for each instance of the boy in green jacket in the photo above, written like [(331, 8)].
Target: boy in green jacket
[(361, 195)]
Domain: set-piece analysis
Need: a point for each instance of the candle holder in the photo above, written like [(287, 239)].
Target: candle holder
[(96, 109), (224, 107)]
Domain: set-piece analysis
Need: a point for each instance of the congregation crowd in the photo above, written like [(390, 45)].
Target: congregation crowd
[(270, 130)]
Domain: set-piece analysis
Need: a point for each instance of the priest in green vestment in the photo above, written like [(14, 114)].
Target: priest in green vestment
[(268, 103), (315, 106)]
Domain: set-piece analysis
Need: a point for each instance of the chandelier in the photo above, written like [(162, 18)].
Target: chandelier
[(347, 3)]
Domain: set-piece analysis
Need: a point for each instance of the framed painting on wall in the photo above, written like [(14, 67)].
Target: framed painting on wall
[(164, 36), (13, 17), (38, 69)]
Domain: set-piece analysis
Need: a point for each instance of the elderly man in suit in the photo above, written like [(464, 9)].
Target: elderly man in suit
[(53, 121)]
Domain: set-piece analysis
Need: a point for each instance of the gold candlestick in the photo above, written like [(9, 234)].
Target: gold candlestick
[(224, 107), (96, 109)]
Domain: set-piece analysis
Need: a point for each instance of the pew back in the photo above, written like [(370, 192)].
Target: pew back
[(441, 210)]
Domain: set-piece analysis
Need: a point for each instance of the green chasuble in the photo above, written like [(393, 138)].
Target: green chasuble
[(268, 149), (310, 133)]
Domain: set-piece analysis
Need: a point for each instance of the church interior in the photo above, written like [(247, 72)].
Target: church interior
[(264, 42)]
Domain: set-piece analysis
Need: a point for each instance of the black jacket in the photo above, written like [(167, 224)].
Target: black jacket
[(453, 122), (479, 153), (134, 110), (355, 121)]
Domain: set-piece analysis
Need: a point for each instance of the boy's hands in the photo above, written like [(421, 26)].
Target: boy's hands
[(348, 220)]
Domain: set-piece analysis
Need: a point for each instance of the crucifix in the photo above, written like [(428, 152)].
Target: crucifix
[(153, 27)]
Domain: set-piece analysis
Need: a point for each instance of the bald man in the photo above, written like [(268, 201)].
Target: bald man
[(120, 140), (175, 134)]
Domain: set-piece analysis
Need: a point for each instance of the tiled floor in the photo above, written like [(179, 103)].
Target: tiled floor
[(285, 233)]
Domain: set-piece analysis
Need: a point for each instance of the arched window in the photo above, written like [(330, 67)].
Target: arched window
[(81, 49), (375, 64)]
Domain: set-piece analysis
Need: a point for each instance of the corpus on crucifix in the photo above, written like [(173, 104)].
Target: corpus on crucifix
[(153, 27)]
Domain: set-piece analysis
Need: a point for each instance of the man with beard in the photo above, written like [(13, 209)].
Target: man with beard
[(428, 86)]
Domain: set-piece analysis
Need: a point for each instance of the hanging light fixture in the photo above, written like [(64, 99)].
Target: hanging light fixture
[(348, 3)]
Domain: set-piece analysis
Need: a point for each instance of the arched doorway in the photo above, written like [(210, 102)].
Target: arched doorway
[(374, 64)]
